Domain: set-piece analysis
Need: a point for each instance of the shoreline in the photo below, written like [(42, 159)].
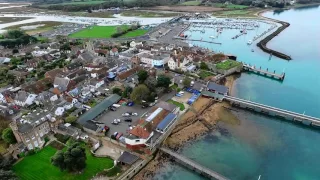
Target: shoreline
[(200, 120)]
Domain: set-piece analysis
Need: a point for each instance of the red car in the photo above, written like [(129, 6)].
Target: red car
[(119, 135)]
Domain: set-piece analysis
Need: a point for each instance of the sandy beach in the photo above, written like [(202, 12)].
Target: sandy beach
[(201, 118)]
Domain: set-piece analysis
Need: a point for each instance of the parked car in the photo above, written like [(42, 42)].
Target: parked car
[(119, 135), (106, 129), (128, 120), (130, 104), (125, 114), (116, 121), (113, 108)]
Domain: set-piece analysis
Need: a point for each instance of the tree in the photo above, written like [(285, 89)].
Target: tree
[(5, 169), (163, 81), (139, 93), (70, 119), (142, 76), (65, 47), (186, 81), (72, 160), (204, 66), (8, 136), (117, 91), (15, 51), (127, 92)]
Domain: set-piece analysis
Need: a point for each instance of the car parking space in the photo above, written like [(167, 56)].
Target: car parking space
[(123, 126), (183, 98)]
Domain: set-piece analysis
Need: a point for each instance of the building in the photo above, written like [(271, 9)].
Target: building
[(217, 88), (153, 60), (166, 123), (144, 130), (31, 128), (94, 127), (97, 110), (24, 99)]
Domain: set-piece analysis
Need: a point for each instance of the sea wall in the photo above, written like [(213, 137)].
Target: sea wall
[(263, 43)]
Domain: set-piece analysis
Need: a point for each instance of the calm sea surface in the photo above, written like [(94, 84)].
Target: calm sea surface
[(261, 145)]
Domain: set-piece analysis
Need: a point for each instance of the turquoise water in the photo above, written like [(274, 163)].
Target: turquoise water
[(261, 145)]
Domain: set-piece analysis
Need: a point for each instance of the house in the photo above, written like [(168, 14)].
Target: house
[(45, 98), (114, 52), (63, 84), (74, 66), (91, 67), (123, 76), (5, 60), (53, 73), (93, 127), (31, 129), (101, 73), (166, 123), (38, 86), (19, 75), (153, 60), (95, 83), (86, 57), (24, 99), (179, 62), (58, 111), (144, 130)]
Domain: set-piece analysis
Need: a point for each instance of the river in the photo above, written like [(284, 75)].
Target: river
[(261, 145)]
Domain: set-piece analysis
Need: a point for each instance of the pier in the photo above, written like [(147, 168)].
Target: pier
[(267, 73), (208, 173), (200, 40), (272, 111)]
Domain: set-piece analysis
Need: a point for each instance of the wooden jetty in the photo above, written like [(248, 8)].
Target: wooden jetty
[(267, 73), (273, 111), (193, 165)]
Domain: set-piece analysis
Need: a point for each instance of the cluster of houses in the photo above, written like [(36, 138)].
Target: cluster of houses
[(38, 107)]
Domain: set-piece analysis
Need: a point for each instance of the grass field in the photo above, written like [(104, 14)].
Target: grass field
[(237, 13), (177, 104), (38, 167), (229, 6), (191, 3), (105, 32), (228, 64), (47, 25), (135, 33), (11, 19)]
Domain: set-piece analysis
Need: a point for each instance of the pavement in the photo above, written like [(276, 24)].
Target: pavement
[(109, 149)]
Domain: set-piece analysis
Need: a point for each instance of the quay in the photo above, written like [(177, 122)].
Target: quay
[(200, 40), (208, 173), (272, 111), (267, 73)]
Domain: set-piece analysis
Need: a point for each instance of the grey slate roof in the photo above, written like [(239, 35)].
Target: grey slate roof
[(167, 106), (99, 108), (217, 87), (21, 96), (128, 158), (61, 82)]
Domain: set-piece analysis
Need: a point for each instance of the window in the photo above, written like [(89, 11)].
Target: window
[(36, 144), (27, 139), (32, 137), (30, 146), (138, 140)]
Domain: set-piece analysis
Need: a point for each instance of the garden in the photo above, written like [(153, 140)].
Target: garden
[(177, 104), (38, 166), (228, 64)]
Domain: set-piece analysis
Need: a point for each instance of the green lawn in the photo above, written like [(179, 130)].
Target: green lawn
[(135, 33), (96, 32), (203, 74), (38, 167), (177, 104), (191, 3), (228, 64)]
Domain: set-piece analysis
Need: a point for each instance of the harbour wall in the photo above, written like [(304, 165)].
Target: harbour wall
[(263, 43)]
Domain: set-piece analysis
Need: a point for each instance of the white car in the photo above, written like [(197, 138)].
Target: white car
[(125, 114), (134, 114), (117, 120)]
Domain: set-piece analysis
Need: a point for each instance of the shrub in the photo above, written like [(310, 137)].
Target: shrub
[(62, 138)]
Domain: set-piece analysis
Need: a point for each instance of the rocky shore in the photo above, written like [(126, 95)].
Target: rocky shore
[(201, 118)]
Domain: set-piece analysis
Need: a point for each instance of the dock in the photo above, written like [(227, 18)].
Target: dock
[(208, 173), (267, 73), (200, 40), (273, 111)]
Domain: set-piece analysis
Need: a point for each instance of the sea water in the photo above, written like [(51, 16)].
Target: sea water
[(259, 145)]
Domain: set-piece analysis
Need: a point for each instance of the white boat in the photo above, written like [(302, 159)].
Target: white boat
[(212, 37), (249, 42)]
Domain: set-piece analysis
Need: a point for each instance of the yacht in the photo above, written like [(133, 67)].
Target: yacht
[(212, 37), (249, 42)]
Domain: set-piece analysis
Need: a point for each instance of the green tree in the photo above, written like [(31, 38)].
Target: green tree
[(5, 169), (204, 66), (142, 76), (70, 119), (139, 93), (163, 81), (186, 81), (72, 160), (65, 47), (8, 136), (117, 91)]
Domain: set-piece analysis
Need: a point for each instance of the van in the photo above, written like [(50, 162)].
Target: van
[(116, 105)]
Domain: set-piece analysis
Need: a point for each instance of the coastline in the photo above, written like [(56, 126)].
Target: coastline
[(200, 119)]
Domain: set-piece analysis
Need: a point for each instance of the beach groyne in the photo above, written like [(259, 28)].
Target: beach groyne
[(263, 43)]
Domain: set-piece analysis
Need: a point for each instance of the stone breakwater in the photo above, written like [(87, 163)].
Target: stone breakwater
[(263, 43)]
